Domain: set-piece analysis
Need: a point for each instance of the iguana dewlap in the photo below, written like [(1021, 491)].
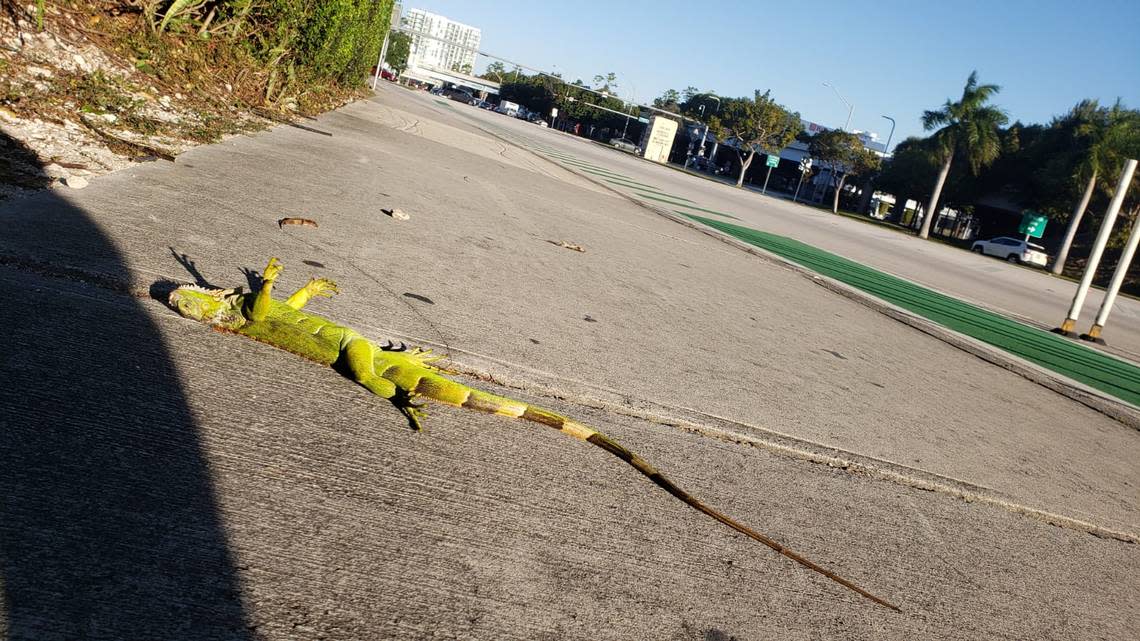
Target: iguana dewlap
[(402, 376)]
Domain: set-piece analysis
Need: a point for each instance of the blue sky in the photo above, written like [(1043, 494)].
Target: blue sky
[(889, 57)]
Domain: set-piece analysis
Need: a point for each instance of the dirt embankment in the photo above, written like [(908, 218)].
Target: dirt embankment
[(89, 88)]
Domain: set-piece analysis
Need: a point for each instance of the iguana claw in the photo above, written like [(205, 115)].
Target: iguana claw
[(322, 287), (413, 411), (272, 270), (391, 346), (424, 357)]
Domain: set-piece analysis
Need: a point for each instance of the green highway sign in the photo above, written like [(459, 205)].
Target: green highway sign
[(1032, 224), (773, 161)]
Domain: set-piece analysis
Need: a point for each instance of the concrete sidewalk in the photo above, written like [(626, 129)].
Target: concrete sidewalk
[(318, 513)]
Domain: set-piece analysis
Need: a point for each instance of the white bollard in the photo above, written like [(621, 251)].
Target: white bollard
[(1098, 249), (1114, 286)]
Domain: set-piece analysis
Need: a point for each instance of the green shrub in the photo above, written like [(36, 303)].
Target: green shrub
[(295, 40)]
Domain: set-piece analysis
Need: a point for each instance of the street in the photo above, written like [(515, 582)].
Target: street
[(1028, 294), (198, 485)]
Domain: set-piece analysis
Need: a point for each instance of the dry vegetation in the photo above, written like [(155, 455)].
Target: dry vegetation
[(88, 87)]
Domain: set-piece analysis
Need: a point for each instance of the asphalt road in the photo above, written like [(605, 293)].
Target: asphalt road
[(1024, 293), (165, 481)]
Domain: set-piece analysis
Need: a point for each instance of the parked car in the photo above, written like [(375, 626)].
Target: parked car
[(625, 144), (701, 163), (1015, 250), (459, 95)]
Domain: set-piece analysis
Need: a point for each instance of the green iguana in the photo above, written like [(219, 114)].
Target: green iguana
[(394, 373)]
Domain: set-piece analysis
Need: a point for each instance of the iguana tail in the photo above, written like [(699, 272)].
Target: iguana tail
[(453, 393)]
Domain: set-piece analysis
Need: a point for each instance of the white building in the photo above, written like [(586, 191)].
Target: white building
[(451, 46)]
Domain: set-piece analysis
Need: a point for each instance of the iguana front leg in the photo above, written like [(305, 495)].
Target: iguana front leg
[(260, 308), (315, 287), (360, 357)]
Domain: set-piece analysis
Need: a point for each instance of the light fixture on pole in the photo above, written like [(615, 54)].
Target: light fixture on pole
[(705, 135), (887, 149), (850, 107)]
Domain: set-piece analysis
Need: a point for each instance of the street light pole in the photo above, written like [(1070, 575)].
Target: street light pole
[(392, 26), (705, 133), (850, 107), (887, 150)]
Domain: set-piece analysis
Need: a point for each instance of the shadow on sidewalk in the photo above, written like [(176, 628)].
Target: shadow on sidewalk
[(109, 526)]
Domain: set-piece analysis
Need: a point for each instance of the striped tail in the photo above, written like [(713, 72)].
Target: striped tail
[(484, 402)]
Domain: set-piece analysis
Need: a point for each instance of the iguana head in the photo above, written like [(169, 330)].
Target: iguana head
[(217, 307)]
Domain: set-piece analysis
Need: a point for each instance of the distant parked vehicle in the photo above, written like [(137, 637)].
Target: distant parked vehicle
[(701, 163), (625, 144), (1015, 250), (507, 107), (459, 95)]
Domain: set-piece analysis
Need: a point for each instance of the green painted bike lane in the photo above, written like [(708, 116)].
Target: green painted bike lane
[(1095, 369)]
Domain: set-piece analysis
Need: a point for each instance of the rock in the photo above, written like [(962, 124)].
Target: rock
[(75, 182), (399, 214), (165, 102), (55, 171), (39, 72)]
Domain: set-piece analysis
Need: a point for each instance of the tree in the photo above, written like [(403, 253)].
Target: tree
[(1101, 134), (399, 45), (969, 130), (496, 71), (608, 82), (669, 101), (757, 124), (844, 155)]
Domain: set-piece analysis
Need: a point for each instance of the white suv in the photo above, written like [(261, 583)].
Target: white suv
[(1014, 250)]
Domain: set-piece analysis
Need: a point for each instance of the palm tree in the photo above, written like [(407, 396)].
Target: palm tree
[(1100, 132), (969, 130)]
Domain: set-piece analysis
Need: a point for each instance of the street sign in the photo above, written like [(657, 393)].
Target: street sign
[(773, 161), (805, 164), (554, 112), (1032, 224)]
